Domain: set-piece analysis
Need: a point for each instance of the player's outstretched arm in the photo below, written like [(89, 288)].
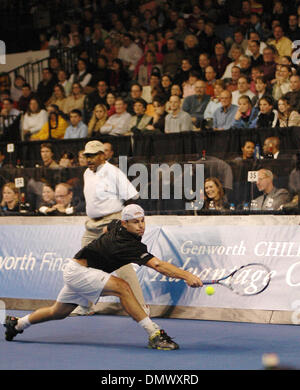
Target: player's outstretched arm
[(172, 271)]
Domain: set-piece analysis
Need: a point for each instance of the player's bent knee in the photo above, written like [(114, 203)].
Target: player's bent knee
[(120, 286), (59, 312)]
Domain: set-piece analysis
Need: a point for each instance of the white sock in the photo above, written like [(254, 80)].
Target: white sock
[(149, 326), (23, 323)]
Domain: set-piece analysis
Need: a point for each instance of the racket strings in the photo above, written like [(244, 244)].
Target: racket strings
[(250, 280)]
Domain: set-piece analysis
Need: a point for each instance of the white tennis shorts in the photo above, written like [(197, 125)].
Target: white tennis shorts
[(82, 284)]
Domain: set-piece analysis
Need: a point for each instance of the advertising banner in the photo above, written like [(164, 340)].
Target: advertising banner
[(32, 258)]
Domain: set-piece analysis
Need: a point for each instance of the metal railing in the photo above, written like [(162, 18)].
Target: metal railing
[(32, 71)]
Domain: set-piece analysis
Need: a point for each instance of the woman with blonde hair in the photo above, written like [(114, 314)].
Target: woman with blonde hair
[(10, 198), (97, 120)]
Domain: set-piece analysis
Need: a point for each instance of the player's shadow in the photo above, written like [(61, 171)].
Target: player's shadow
[(83, 344)]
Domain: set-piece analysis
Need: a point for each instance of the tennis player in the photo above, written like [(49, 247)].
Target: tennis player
[(88, 276)]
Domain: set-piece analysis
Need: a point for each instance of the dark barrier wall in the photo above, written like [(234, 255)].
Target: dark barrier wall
[(161, 147), (232, 173)]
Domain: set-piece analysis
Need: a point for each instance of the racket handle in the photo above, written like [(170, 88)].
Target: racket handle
[(205, 282)]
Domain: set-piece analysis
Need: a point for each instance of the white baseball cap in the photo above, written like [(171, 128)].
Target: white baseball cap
[(93, 147), (132, 211)]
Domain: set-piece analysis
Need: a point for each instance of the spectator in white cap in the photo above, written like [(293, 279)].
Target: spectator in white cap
[(106, 190)]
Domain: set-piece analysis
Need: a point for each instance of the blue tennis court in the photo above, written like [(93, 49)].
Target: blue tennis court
[(103, 342)]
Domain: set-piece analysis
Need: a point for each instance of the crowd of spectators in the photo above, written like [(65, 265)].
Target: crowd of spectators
[(145, 67)]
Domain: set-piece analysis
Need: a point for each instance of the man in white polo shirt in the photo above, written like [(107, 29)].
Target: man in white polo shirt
[(106, 190)]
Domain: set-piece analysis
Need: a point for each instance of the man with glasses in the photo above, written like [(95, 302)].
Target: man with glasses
[(63, 201)]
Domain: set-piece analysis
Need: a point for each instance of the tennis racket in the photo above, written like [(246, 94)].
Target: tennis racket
[(250, 279)]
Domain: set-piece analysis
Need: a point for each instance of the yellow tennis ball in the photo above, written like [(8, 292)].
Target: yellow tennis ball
[(210, 290)]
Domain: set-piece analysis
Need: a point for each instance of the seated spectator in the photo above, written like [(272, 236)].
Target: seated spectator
[(108, 151), (96, 97), (243, 89), (136, 91), (46, 85), (219, 60), (55, 127), (176, 89), (47, 154), (118, 123), (110, 103), (81, 75), (154, 83), (261, 88), (188, 86), (100, 73), (82, 160), (33, 120), (8, 112), (140, 120), (16, 88), (165, 85), (109, 51), (269, 65), (48, 199), (58, 97), (293, 31), (63, 201), (75, 100), (238, 41), (25, 98), (191, 48), (214, 196), (210, 76), (146, 68), (62, 78), (159, 115), (172, 58), (10, 198), (272, 145), (267, 116), (231, 83), (246, 115), (255, 73), (129, 53), (247, 151), (255, 56), (67, 160), (119, 77), (286, 115), (255, 36), (223, 117), (97, 120), (196, 104), (77, 128), (236, 53), (294, 94), (281, 86), (213, 103), (203, 62), (282, 43), (178, 120), (183, 72), (272, 197)]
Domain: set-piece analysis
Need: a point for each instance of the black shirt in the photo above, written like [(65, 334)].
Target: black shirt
[(114, 249)]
